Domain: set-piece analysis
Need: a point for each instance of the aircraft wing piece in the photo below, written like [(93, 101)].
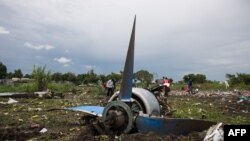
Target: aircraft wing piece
[(93, 110), (176, 126)]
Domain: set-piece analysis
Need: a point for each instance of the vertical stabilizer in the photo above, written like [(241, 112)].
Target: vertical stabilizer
[(127, 78)]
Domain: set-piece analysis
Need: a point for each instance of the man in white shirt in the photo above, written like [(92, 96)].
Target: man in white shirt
[(110, 86)]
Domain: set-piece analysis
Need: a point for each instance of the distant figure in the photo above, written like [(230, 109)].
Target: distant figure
[(166, 83), (190, 86), (110, 86), (226, 84), (114, 85), (134, 82)]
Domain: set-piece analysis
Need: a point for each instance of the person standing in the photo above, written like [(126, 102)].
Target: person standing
[(110, 87), (114, 85), (166, 84), (190, 86), (226, 84)]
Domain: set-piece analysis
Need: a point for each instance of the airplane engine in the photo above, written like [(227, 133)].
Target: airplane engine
[(119, 116), (142, 100)]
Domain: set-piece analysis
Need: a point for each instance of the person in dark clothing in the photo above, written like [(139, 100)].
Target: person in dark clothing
[(114, 85), (190, 85)]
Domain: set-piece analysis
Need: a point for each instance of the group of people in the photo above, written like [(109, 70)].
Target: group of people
[(110, 86)]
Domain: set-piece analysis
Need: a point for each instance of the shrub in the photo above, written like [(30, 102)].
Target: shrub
[(42, 77)]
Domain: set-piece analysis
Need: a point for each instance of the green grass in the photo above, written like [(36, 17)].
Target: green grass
[(64, 87), (25, 87), (209, 109), (60, 87), (242, 87), (32, 87)]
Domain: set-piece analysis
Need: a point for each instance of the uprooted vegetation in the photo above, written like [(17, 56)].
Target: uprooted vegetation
[(26, 118)]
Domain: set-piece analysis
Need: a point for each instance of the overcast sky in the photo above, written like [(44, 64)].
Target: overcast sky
[(173, 37)]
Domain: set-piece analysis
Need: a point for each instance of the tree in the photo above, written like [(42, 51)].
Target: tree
[(42, 77), (91, 71), (69, 76), (239, 78), (27, 75), (244, 78), (57, 76), (103, 78), (18, 73), (80, 78), (3, 71), (9, 75), (144, 76), (91, 78), (115, 76), (232, 79), (196, 78)]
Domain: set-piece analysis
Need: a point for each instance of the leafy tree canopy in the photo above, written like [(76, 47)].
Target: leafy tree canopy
[(3, 71), (144, 76), (196, 78), (18, 73)]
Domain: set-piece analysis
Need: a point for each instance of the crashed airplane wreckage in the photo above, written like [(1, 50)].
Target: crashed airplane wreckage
[(137, 109)]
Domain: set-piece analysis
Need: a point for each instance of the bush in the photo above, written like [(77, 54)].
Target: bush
[(61, 87), (42, 77)]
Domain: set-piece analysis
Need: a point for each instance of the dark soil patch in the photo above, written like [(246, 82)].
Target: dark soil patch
[(19, 133)]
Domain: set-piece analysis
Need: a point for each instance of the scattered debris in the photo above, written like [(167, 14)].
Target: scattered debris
[(34, 125), (20, 120), (44, 94), (23, 127), (44, 117), (17, 95), (43, 130), (35, 116), (215, 133), (34, 109), (244, 111), (245, 98), (74, 129), (10, 101), (240, 101), (196, 104)]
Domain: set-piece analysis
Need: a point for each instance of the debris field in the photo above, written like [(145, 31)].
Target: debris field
[(47, 119)]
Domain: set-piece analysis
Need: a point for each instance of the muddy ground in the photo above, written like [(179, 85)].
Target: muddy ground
[(25, 119)]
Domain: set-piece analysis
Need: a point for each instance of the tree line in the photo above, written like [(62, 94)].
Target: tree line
[(143, 76)]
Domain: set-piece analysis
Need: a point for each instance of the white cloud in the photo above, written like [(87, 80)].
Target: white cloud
[(3, 30), (90, 67), (63, 60), (38, 47)]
